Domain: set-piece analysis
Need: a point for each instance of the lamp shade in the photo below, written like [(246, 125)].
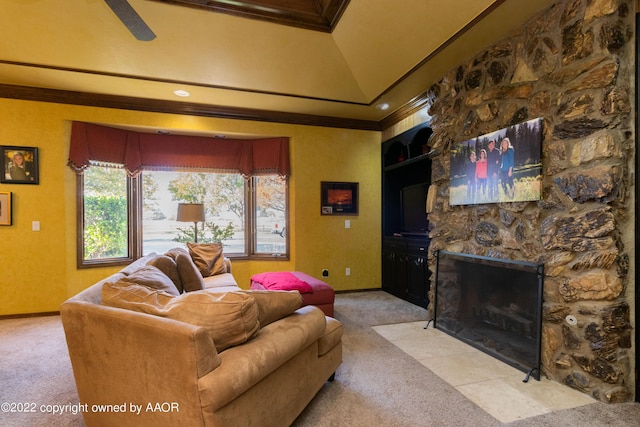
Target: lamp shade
[(190, 212)]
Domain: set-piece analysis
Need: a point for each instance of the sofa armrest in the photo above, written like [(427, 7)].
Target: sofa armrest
[(332, 336), (135, 357)]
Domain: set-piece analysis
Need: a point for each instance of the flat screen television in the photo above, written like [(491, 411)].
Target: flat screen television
[(414, 215)]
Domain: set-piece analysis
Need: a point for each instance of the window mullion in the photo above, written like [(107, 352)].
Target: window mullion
[(134, 204), (250, 214)]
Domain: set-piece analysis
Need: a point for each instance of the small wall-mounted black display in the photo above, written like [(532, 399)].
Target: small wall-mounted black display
[(339, 198)]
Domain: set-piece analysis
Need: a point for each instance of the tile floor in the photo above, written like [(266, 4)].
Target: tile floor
[(491, 384)]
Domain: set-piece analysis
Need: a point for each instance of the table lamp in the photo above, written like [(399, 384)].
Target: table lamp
[(191, 212)]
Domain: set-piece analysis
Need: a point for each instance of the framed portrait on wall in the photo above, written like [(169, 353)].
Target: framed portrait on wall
[(20, 165), (5, 208), (339, 198), (501, 166)]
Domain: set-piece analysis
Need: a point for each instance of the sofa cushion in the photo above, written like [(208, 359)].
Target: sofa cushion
[(274, 305), (224, 280), (229, 318), (244, 366), (189, 275), (169, 267), (152, 277), (135, 297), (208, 258)]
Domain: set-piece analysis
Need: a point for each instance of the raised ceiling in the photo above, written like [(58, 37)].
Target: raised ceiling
[(317, 15), (271, 65)]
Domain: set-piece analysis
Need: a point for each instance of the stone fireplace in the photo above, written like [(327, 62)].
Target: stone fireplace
[(572, 65), (492, 304)]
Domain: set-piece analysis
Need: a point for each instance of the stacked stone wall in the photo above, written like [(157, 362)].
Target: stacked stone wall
[(573, 66)]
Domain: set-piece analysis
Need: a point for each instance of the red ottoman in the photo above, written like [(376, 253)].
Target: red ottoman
[(322, 295)]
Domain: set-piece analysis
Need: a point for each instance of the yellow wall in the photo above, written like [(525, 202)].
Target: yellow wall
[(38, 268)]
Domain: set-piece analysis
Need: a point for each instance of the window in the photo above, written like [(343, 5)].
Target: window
[(113, 232), (127, 208), (270, 215), (104, 215)]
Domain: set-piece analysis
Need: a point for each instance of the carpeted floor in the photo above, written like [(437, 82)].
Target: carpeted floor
[(377, 384), (35, 369)]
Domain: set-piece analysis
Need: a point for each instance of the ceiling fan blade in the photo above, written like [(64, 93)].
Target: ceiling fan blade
[(131, 19)]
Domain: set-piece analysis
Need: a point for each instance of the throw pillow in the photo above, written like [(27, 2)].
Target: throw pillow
[(189, 275), (229, 318), (169, 267), (275, 305), (282, 281), (208, 258), (173, 253), (152, 277), (132, 296)]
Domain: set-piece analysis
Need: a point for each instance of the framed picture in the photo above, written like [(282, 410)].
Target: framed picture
[(339, 198), (501, 166), (5, 208), (19, 165)]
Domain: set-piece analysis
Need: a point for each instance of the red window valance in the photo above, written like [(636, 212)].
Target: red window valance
[(138, 151)]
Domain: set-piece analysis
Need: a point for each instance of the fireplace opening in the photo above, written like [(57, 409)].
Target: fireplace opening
[(492, 304)]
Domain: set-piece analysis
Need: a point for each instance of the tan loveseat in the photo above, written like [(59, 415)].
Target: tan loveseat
[(133, 368)]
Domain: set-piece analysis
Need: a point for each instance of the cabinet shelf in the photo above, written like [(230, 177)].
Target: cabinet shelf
[(406, 163)]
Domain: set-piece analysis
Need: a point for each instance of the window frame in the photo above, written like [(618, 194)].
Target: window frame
[(135, 228), (252, 223)]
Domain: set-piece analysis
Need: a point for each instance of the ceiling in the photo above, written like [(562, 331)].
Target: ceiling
[(331, 62)]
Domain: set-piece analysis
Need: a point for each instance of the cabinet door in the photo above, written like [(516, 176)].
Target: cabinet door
[(389, 270), (417, 274), (394, 268)]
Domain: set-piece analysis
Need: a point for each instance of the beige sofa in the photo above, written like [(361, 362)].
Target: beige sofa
[(133, 368)]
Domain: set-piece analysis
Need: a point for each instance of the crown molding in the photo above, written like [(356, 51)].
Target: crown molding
[(175, 107), (416, 104)]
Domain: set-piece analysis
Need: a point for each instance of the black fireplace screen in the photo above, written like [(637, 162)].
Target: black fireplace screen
[(492, 304)]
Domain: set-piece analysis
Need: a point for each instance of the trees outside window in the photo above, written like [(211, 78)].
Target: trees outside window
[(270, 215), (114, 232), (105, 213)]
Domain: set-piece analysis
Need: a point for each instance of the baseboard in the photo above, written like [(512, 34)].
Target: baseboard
[(350, 291), (23, 315)]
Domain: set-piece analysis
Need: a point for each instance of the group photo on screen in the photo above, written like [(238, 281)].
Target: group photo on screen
[(501, 166)]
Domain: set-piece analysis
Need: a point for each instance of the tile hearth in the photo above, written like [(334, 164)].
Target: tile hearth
[(491, 384)]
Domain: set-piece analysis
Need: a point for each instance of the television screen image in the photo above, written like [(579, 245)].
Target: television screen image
[(414, 212)]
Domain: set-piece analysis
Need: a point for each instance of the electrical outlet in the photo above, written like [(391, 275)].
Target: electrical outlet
[(347, 271), (325, 272)]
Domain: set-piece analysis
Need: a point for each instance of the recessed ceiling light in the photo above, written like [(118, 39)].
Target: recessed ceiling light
[(383, 106), (181, 92)]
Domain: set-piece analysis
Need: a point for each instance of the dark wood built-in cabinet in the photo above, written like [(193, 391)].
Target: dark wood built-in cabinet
[(404, 268), (406, 175)]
